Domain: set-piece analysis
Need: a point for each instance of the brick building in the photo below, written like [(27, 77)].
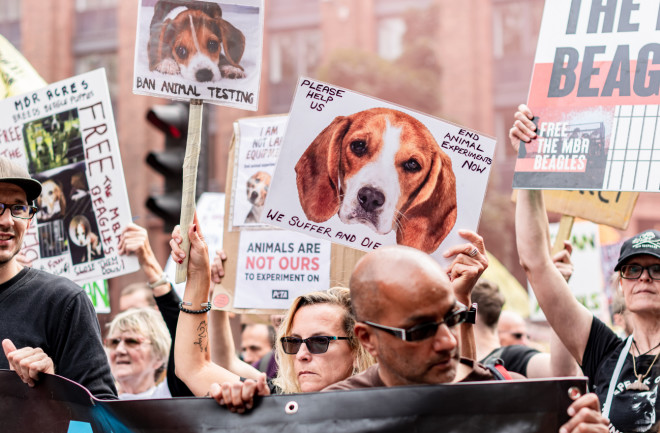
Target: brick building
[(484, 49)]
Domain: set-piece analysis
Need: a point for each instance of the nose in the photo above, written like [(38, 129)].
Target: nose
[(6, 219), (370, 198), (254, 195), (203, 75), (303, 354), (645, 275), (445, 340)]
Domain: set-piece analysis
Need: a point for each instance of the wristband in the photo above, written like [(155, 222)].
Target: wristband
[(472, 314), (206, 305), (161, 280)]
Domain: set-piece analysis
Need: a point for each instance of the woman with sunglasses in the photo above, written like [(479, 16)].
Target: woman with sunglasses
[(624, 373), (316, 346), (138, 345)]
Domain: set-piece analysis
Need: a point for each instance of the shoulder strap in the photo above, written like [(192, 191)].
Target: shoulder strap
[(493, 356), (498, 370)]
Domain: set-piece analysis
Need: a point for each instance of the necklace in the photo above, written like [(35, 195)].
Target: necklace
[(638, 385), (638, 351)]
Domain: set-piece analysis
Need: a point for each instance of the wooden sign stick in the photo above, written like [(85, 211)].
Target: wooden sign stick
[(563, 234), (193, 147)]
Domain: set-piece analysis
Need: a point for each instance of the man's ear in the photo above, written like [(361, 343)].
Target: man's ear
[(366, 338)]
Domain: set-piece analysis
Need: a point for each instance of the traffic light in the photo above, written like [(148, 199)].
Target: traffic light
[(172, 120)]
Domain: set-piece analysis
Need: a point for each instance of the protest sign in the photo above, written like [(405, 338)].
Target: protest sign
[(279, 266), (57, 405), (99, 293), (200, 50), (258, 146), (586, 283), (65, 135), (595, 95), (17, 75), (210, 214), (363, 172)]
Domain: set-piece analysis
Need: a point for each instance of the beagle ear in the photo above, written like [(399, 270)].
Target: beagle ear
[(233, 43), (317, 172), (160, 45), (431, 216)]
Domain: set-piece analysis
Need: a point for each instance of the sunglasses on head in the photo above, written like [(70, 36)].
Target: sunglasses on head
[(129, 342), (423, 331), (631, 272), (316, 344)]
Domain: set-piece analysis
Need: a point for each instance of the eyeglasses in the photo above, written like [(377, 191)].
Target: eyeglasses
[(22, 211), (423, 331), (516, 335), (316, 344), (630, 272), (129, 342)]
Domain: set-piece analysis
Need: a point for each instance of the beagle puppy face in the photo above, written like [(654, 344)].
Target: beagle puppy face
[(381, 168), (257, 188), (51, 201)]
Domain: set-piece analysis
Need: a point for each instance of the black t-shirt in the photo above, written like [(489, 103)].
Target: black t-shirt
[(631, 411), (514, 358)]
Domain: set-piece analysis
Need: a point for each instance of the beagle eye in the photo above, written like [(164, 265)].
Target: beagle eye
[(412, 166), (182, 52), (212, 46), (359, 147)]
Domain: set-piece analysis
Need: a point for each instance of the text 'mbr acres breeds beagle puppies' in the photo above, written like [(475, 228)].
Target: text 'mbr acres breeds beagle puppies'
[(192, 39), (382, 168), (257, 190)]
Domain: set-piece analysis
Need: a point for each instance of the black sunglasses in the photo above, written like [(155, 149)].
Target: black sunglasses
[(426, 330), (316, 344), (22, 211), (631, 272)]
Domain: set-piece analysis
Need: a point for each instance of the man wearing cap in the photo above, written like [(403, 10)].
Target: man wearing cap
[(48, 324)]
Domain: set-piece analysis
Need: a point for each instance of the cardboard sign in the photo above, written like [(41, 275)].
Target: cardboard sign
[(203, 50), (586, 283), (276, 266), (57, 405), (364, 173), (65, 135), (595, 92), (259, 142), (99, 293)]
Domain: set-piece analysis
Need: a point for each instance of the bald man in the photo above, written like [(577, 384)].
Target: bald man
[(512, 329), (408, 316)]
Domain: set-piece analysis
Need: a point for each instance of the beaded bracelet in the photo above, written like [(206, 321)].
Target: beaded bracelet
[(206, 305)]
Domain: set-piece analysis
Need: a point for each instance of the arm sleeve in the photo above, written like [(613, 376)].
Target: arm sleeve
[(517, 357), (80, 355), (168, 304), (602, 341)]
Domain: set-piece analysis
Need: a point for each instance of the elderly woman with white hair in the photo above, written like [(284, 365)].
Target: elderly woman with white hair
[(138, 345)]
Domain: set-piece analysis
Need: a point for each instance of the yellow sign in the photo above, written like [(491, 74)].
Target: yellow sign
[(17, 75)]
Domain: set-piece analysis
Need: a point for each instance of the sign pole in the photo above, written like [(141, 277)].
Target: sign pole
[(564, 233), (190, 163)]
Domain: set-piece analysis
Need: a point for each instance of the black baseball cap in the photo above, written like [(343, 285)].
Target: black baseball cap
[(13, 172), (646, 242)]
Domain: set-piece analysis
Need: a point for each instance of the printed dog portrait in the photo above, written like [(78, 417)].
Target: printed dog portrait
[(51, 202), (257, 189), (381, 168), (81, 234), (192, 39)]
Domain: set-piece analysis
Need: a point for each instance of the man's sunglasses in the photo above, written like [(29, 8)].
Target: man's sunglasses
[(518, 335), (425, 330), (129, 342), (631, 272), (316, 344)]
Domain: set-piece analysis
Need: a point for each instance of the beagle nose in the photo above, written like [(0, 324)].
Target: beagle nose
[(370, 198), (203, 75), (254, 195)]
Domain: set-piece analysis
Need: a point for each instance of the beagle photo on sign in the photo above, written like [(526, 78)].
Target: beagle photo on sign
[(257, 189), (191, 39), (381, 168)]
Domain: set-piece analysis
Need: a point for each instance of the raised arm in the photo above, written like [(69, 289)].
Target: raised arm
[(191, 352), (570, 319)]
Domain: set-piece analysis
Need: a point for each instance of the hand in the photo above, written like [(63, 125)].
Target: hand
[(135, 240), (27, 362), (217, 267), (585, 416), (468, 265), (562, 261), (523, 127), (239, 396), (198, 261)]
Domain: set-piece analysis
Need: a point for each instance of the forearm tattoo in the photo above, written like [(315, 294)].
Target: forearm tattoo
[(202, 336)]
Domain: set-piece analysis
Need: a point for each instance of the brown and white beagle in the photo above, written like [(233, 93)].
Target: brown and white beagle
[(257, 190), (51, 202), (382, 168), (192, 39)]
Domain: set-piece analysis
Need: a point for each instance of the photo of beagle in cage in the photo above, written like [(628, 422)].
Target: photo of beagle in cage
[(51, 202), (191, 39), (257, 190), (382, 168)]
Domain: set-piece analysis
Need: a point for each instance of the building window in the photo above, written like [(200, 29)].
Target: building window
[(390, 38), (515, 27), (292, 54), (10, 21)]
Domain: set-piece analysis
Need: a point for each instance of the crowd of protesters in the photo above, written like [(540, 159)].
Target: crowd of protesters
[(403, 320)]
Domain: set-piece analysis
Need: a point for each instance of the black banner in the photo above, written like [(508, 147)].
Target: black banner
[(58, 405)]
